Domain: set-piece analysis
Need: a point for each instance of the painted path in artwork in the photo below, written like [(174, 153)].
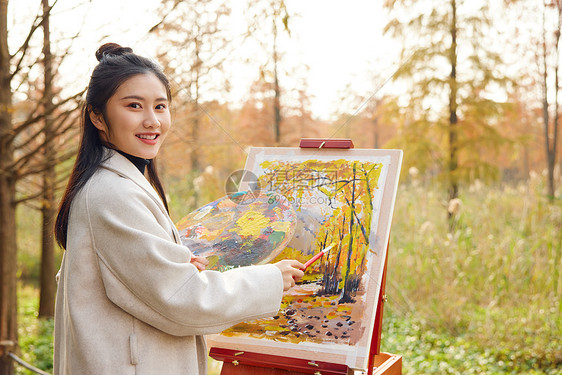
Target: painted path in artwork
[(306, 317)]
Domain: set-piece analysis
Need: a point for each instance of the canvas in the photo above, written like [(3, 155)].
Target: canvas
[(341, 197)]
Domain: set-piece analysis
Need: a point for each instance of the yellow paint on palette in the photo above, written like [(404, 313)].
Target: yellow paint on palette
[(252, 223), (277, 211), (281, 226), (209, 235)]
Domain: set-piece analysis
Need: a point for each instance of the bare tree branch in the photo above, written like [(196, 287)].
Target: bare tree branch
[(35, 118), (30, 155), (163, 20), (60, 184), (73, 38), (61, 117), (77, 5), (23, 48), (37, 169), (36, 24)]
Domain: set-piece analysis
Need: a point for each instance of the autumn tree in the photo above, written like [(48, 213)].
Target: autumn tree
[(254, 122), (48, 268), (196, 45), (453, 67), (373, 127), (550, 69), (298, 119), (535, 40), (268, 21), (23, 143), (47, 124), (8, 254)]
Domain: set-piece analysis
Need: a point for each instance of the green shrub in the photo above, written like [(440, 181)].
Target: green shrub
[(35, 335)]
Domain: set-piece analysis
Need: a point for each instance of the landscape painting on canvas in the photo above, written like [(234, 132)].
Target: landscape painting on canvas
[(342, 198)]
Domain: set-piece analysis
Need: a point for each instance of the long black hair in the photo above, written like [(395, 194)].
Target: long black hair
[(116, 65)]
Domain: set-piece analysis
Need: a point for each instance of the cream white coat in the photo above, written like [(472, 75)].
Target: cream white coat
[(128, 299)]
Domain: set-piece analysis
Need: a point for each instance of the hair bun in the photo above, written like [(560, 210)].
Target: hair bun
[(111, 49)]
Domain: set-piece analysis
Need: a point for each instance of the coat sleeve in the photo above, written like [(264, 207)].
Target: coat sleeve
[(149, 275)]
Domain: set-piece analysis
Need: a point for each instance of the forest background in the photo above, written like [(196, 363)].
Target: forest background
[(468, 89)]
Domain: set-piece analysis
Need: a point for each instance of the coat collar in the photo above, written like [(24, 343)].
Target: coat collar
[(119, 164)]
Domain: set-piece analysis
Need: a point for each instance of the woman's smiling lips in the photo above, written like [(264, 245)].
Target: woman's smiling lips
[(148, 138)]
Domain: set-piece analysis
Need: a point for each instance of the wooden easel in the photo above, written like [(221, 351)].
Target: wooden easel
[(248, 363)]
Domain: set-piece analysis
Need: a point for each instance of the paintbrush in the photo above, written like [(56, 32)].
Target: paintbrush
[(317, 256)]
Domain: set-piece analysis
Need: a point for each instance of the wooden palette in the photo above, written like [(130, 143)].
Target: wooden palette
[(239, 229)]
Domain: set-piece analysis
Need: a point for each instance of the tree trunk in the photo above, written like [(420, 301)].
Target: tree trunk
[(8, 265), (195, 163), (276, 89), (545, 114), (8, 250), (453, 120), (545, 110), (551, 148), (48, 271), (376, 132)]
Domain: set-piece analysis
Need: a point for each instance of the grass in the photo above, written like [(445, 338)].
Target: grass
[(483, 298), (434, 351), (35, 335), (488, 292)]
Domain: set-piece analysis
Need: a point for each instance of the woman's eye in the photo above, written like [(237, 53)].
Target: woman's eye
[(135, 105), (161, 106)]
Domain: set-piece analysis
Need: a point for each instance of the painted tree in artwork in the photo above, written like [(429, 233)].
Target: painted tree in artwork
[(345, 190), (334, 231), (355, 193)]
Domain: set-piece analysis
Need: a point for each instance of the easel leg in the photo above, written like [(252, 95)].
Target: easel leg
[(377, 329)]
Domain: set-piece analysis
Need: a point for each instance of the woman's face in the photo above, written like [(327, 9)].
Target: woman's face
[(138, 116)]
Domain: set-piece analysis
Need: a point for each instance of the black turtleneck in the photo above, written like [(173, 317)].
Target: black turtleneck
[(140, 163)]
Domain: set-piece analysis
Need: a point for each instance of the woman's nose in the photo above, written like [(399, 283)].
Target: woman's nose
[(151, 120)]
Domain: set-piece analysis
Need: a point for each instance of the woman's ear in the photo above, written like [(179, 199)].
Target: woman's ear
[(97, 119)]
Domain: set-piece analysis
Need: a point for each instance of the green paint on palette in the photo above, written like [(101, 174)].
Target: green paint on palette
[(276, 237)]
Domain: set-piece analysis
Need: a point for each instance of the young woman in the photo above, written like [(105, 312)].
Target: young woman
[(131, 299)]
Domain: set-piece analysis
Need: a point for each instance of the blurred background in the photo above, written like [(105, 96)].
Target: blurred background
[(468, 89)]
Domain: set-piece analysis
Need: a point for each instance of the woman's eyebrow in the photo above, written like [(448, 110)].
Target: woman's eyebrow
[(137, 97)]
